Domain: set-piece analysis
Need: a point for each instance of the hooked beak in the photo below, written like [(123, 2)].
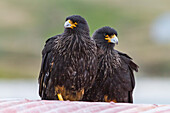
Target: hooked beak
[(70, 24), (112, 39)]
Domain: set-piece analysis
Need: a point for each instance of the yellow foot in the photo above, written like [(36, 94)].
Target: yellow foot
[(114, 101), (60, 97)]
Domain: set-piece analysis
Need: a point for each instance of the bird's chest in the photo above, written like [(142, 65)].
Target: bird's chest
[(72, 63), (70, 75), (109, 66), (71, 68)]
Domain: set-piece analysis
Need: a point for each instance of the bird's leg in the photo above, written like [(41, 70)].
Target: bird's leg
[(109, 100), (58, 93), (60, 97)]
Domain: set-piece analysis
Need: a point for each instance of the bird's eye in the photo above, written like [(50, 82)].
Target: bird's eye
[(75, 23), (106, 35)]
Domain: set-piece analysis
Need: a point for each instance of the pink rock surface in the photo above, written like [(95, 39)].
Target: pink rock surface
[(44, 106)]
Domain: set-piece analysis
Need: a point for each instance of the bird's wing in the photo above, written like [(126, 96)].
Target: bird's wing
[(46, 65), (131, 66), (129, 61)]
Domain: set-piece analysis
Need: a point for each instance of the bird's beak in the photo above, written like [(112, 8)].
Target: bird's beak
[(112, 39), (70, 24)]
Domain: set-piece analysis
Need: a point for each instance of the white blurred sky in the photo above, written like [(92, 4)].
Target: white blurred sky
[(160, 29)]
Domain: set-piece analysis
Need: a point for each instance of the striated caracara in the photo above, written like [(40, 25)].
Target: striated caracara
[(115, 78), (68, 66)]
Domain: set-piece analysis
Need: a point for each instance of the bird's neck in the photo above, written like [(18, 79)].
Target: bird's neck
[(75, 36), (76, 32), (73, 42), (108, 47)]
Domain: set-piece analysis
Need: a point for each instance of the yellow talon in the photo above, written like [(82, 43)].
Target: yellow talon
[(60, 97)]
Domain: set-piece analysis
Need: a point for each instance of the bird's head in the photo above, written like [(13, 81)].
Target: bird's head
[(76, 23), (105, 36)]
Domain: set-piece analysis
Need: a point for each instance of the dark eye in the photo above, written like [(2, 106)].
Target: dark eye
[(73, 21), (105, 34)]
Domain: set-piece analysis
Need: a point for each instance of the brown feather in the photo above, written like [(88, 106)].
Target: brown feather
[(115, 78), (68, 64)]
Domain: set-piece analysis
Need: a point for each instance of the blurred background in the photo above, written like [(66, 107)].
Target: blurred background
[(143, 30)]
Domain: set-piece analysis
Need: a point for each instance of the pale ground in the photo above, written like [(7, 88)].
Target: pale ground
[(147, 91)]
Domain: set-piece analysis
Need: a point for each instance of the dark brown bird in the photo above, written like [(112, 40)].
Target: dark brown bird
[(68, 66), (115, 78)]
